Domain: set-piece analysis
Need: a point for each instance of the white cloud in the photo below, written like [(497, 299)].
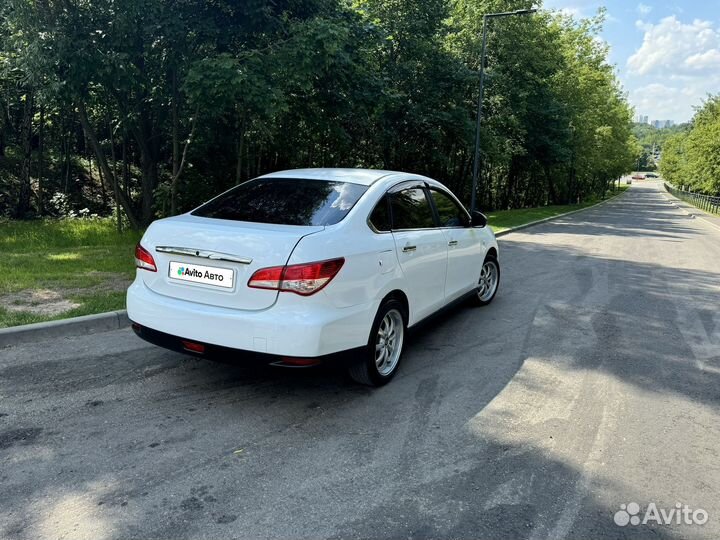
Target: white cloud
[(675, 68), (572, 11), (643, 9), (579, 9), (576, 8), (658, 101), (710, 59), (662, 101), (642, 25), (671, 47)]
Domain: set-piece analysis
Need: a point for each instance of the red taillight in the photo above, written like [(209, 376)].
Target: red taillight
[(267, 278), (143, 259), (304, 279)]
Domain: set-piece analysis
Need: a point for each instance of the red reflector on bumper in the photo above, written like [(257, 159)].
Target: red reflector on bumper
[(290, 361), (194, 347)]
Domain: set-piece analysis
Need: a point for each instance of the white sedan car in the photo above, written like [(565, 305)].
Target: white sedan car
[(298, 266)]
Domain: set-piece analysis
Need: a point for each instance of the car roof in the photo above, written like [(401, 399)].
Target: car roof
[(365, 177)]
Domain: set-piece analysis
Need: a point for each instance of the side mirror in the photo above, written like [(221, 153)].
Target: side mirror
[(479, 219)]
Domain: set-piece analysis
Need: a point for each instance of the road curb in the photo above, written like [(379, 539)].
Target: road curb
[(75, 326), (545, 220)]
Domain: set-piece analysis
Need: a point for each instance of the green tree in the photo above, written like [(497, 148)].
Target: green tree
[(691, 157), (702, 148), (153, 106)]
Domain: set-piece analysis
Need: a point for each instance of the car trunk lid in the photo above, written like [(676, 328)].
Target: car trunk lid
[(210, 261)]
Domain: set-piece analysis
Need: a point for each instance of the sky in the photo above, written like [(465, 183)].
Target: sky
[(667, 53)]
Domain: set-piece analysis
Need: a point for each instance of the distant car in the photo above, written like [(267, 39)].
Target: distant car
[(638, 177), (651, 175), (299, 265), (628, 181)]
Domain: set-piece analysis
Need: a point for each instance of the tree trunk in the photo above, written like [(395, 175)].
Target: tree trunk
[(238, 163), (115, 186), (240, 143), (177, 172), (175, 127), (41, 163), (5, 126), (126, 167), (489, 177), (92, 178), (102, 162), (66, 150), (259, 160), (142, 133), (23, 205), (103, 191), (148, 167), (175, 143), (509, 187)]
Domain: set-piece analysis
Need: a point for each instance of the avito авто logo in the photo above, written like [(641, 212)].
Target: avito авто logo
[(194, 272)]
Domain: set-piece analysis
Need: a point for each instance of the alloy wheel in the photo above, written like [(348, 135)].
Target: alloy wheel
[(488, 281), (389, 342)]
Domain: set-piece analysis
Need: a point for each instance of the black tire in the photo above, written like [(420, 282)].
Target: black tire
[(483, 297), (365, 369)]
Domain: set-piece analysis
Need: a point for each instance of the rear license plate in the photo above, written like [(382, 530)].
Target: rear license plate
[(206, 275)]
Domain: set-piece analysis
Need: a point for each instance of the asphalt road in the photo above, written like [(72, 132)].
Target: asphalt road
[(592, 381)]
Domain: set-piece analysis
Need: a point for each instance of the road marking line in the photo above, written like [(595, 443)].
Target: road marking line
[(686, 212)]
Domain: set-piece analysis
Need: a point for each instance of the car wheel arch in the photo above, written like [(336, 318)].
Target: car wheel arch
[(401, 297)]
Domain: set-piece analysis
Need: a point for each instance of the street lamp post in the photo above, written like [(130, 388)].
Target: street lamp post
[(476, 163)]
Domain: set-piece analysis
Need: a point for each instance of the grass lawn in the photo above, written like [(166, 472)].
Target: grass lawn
[(506, 219), (58, 269)]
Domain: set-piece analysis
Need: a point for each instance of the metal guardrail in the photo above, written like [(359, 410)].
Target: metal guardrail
[(703, 202)]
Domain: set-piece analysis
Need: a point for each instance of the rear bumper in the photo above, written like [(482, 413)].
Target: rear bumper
[(316, 330), (217, 352)]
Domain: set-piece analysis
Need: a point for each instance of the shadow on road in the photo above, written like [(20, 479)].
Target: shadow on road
[(490, 429)]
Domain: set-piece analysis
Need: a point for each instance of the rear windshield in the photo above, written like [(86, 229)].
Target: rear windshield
[(285, 201)]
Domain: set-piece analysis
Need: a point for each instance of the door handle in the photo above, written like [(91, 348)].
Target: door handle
[(409, 248), (453, 243)]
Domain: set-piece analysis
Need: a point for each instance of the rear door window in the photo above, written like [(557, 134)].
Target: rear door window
[(451, 214), (285, 201), (411, 210)]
